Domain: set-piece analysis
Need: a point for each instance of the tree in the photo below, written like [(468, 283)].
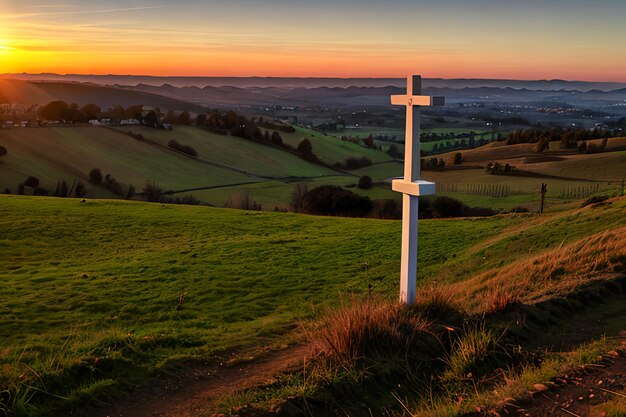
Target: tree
[(32, 182), (394, 152), (441, 165), (53, 111), (151, 118), (200, 119), (447, 207), (231, 119), (331, 200), (170, 117), (134, 112), (184, 118), (365, 182), (91, 112), (276, 138), (458, 158), (152, 192), (298, 192), (95, 176), (117, 113), (306, 148)]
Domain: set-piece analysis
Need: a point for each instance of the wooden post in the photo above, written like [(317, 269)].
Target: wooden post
[(544, 190)]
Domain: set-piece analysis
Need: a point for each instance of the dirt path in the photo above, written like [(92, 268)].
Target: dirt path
[(580, 393), (194, 395)]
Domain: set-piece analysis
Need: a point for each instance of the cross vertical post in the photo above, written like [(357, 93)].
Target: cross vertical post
[(411, 186)]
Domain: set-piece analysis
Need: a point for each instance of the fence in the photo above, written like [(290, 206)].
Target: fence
[(486, 190)]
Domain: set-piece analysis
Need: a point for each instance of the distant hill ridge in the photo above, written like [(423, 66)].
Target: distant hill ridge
[(312, 82)]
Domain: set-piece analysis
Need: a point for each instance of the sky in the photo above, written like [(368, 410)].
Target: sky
[(530, 39)]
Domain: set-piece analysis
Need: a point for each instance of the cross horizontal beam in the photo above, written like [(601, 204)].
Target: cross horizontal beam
[(404, 100)]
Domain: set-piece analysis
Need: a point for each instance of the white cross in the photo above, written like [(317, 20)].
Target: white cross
[(411, 186)]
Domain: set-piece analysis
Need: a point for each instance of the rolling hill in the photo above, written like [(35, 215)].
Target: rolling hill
[(225, 165), (42, 93), (100, 296)]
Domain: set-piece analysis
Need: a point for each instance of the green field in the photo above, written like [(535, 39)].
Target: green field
[(239, 153), (91, 289), (331, 149)]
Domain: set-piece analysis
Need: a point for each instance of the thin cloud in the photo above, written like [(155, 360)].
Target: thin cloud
[(79, 12)]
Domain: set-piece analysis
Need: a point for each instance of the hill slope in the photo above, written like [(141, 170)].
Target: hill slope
[(122, 288)]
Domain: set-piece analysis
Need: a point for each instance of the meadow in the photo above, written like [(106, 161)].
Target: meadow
[(101, 295)]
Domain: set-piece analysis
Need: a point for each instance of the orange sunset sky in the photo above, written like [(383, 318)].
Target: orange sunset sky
[(342, 38)]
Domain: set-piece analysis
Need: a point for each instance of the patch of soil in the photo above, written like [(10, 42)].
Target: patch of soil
[(578, 393), (194, 396)]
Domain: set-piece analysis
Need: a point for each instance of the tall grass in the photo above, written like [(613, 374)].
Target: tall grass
[(554, 273)]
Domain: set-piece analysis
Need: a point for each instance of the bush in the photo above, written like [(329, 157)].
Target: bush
[(520, 209), (152, 192), (95, 176), (386, 209), (458, 158), (365, 182), (32, 182), (305, 148), (242, 201), (594, 200), (331, 200), (356, 163), (447, 207), (3, 151), (394, 152), (186, 149)]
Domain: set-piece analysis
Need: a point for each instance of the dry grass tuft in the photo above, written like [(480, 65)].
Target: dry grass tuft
[(373, 329), (552, 274)]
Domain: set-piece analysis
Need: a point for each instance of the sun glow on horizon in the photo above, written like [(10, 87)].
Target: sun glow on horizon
[(243, 38)]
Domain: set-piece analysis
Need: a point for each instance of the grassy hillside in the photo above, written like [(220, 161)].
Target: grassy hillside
[(331, 149), (98, 285), (232, 151), (224, 163), (66, 154), (42, 93)]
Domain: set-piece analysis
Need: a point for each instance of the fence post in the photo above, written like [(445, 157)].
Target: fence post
[(544, 190)]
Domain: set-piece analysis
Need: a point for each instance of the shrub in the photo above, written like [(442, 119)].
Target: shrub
[(186, 149), (95, 176), (152, 192), (520, 209), (447, 207), (386, 209), (80, 191), (305, 148), (331, 200), (594, 200), (394, 152), (458, 158), (3, 151), (32, 182), (365, 182), (356, 163), (242, 201)]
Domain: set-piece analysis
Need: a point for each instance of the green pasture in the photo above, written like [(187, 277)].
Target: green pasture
[(66, 154), (100, 295), (331, 149), (99, 282), (235, 152), (271, 194)]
